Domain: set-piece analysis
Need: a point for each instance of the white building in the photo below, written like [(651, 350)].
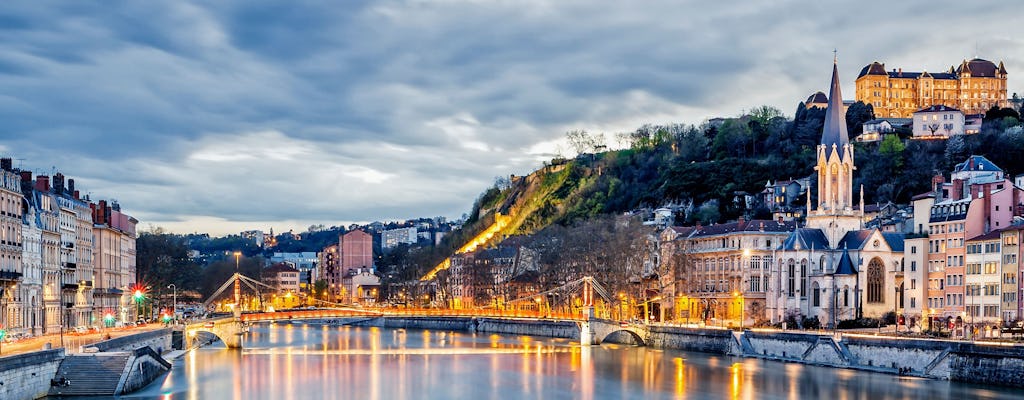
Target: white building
[(938, 122), (393, 237)]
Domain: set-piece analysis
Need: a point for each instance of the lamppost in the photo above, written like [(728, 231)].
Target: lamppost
[(622, 310), (736, 294), (895, 307), (174, 310)]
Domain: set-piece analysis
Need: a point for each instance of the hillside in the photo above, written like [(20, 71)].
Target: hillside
[(704, 168)]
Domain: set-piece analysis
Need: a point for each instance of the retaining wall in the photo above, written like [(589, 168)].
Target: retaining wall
[(142, 369), (157, 340), (717, 341), (557, 329), (28, 375)]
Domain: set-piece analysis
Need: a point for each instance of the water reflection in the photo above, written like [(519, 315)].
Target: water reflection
[(311, 361)]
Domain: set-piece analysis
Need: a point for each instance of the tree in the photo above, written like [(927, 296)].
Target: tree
[(580, 141), (320, 289), (732, 139), (162, 259), (956, 151), (857, 115)]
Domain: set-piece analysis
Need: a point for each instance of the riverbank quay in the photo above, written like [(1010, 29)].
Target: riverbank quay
[(989, 363), (96, 368)]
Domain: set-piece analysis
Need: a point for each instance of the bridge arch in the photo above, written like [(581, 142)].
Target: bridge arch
[(637, 339), (602, 330)]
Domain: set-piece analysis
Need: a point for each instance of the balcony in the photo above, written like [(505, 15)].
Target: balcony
[(10, 276), (70, 265), (113, 291), (69, 286)]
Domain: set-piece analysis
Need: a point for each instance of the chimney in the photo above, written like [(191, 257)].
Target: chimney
[(58, 183), (71, 186), (900, 73), (76, 195), (101, 212), (26, 176), (740, 222), (937, 182), (958, 192), (5, 164), (43, 183)]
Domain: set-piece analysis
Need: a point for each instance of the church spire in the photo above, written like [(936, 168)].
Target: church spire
[(834, 132)]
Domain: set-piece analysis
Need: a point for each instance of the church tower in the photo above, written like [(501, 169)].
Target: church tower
[(834, 213)]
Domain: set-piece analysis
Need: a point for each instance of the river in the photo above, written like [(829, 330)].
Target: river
[(305, 361)]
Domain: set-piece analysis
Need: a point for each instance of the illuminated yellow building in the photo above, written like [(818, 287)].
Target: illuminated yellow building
[(973, 87)]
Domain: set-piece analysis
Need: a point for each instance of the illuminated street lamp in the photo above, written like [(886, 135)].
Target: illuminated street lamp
[(174, 311), (622, 300), (736, 294), (139, 296)]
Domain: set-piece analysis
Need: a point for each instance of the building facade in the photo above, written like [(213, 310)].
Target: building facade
[(394, 237), (60, 267), (973, 87), (937, 122)]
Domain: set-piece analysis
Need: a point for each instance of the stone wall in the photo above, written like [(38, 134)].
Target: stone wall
[(557, 329), (158, 340), (922, 357), (781, 345), (987, 364), (142, 369), (28, 375), (717, 341)]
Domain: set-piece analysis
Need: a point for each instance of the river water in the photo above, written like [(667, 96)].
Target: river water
[(303, 361)]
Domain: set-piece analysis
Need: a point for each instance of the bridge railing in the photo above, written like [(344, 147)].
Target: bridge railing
[(367, 312)]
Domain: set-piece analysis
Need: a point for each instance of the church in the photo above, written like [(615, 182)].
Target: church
[(833, 269)]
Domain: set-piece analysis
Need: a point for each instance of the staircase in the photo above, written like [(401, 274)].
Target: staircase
[(89, 375)]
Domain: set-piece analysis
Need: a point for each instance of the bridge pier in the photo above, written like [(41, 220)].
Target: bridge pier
[(586, 332)]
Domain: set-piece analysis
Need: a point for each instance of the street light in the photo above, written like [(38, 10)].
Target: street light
[(174, 311), (739, 298)]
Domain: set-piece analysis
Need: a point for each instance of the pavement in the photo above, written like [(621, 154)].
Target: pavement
[(71, 341)]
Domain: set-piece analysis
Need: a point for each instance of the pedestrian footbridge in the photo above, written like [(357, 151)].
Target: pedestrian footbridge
[(602, 329), (230, 329)]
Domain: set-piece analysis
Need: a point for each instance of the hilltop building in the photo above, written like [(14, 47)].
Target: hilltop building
[(973, 87)]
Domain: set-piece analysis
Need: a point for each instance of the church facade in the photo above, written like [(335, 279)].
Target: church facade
[(833, 269)]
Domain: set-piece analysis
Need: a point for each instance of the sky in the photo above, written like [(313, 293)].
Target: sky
[(226, 116)]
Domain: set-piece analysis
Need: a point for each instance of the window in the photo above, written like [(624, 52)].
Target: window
[(816, 299), (791, 275), (876, 281), (913, 266), (803, 278)]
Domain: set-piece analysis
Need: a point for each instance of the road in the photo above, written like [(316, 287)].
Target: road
[(72, 341)]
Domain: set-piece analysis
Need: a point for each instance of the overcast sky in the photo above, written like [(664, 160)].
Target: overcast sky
[(252, 114)]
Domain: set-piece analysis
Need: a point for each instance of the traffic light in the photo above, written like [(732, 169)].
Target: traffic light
[(139, 295)]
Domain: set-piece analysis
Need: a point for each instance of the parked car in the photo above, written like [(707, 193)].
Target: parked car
[(81, 329)]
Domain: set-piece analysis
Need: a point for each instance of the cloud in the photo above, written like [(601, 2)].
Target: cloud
[(212, 117)]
